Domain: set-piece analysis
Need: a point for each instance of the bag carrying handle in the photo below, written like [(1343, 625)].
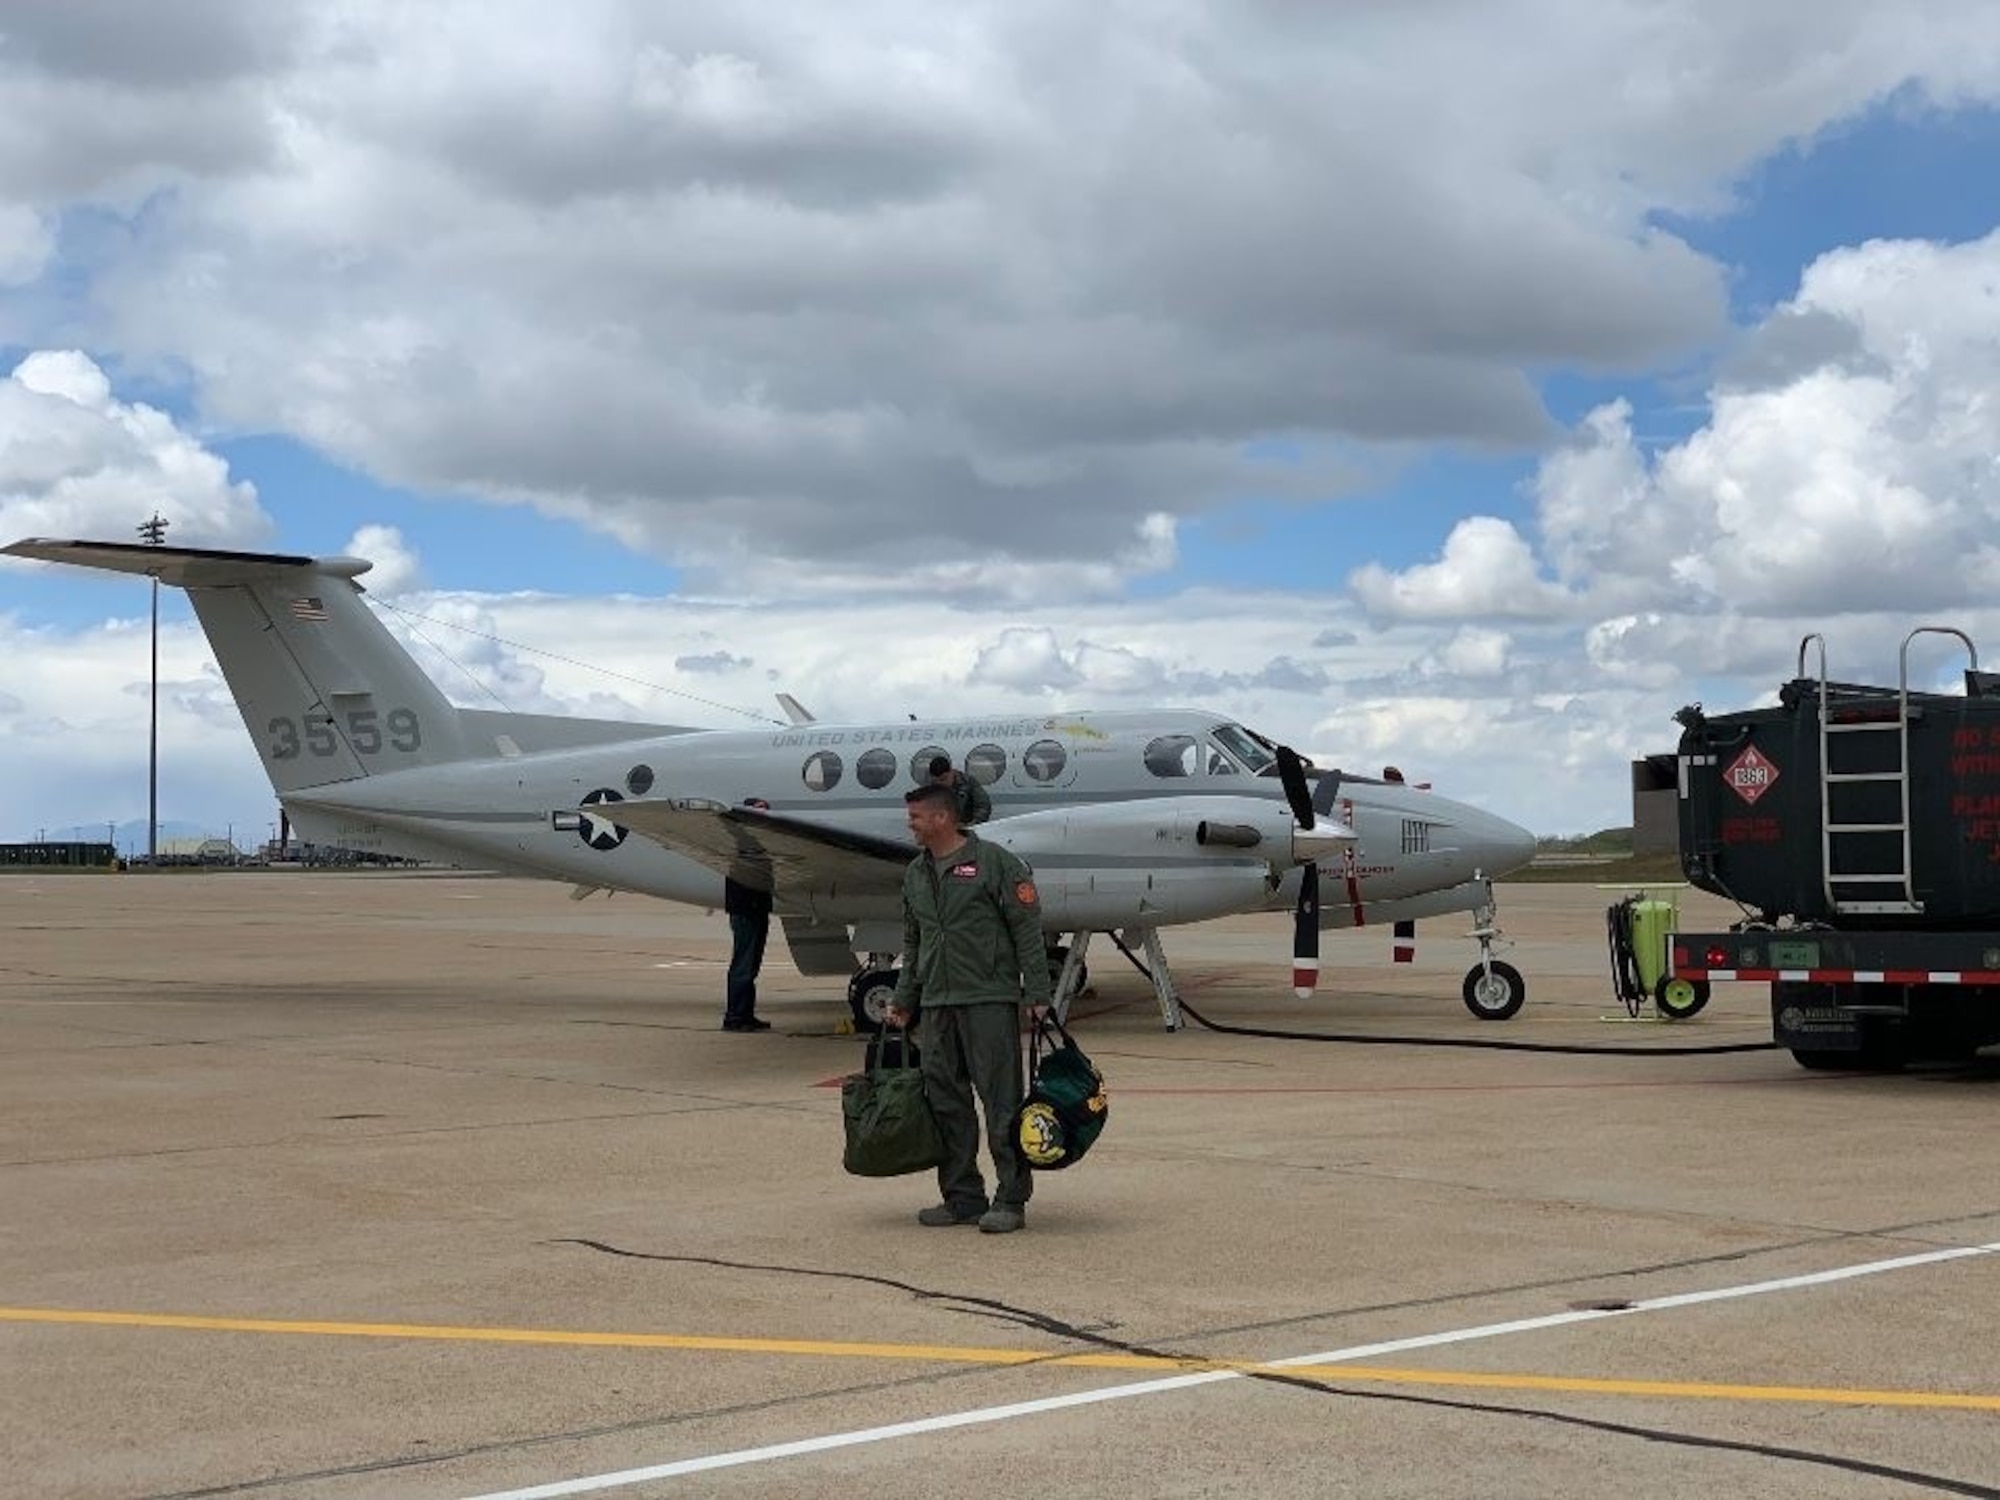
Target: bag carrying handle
[(902, 1036), (1040, 1042)]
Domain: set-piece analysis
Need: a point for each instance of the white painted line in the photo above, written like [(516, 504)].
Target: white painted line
[(597, 1483)]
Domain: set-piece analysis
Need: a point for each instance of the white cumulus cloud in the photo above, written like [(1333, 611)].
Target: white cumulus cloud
[(76, 461), (1487, 569)]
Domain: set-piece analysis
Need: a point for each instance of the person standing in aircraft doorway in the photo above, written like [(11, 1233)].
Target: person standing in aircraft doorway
[(749, 912), (972, 956), (974, 805)]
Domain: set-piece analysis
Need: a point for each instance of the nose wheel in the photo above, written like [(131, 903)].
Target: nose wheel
[(1494, 989)]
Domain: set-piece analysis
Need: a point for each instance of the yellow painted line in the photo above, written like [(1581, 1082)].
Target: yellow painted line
[(970, 1354), (1685, 1389), (690, 1341)]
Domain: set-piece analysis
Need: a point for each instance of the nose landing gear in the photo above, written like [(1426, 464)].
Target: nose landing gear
[(1494, 990)]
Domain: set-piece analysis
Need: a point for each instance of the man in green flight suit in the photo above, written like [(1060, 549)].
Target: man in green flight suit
[(972, 956)]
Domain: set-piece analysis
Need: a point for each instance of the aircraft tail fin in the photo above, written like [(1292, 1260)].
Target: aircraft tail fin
[(327, 693)]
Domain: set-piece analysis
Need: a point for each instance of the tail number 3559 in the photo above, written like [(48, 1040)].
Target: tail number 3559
[(369, 731)]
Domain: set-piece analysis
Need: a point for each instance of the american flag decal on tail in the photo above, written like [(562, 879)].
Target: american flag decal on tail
[(309, 607)]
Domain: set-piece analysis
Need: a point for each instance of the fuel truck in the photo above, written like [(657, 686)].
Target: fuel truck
[(1858, 828)]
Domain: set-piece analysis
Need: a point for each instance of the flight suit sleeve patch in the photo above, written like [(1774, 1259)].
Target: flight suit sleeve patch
[(1024, 892)]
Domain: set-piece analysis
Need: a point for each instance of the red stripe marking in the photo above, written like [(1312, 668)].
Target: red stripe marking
[(1847, 976), (1351, 865)]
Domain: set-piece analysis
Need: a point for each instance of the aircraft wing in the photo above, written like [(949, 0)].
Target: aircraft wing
[(790, 857)]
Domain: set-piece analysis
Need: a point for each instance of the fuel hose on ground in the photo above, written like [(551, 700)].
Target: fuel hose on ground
[(1463, 1043)]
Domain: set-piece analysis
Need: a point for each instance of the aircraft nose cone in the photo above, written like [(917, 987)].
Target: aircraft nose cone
[(1512, 847)]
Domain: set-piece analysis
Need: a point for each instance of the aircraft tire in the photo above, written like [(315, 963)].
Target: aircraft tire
[(1494, 996), (868, 996), (1677, 999)]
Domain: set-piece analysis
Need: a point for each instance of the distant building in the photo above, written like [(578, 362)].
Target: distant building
[(198, 852), (58, 853)]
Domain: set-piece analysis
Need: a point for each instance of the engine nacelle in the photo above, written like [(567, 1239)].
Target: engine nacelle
[(1158, 860)]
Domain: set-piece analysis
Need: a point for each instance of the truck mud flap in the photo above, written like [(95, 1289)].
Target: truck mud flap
[(1804, 1017)]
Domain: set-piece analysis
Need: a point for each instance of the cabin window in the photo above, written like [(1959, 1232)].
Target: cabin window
[(822, 771), (1044, 760), (1172, 755), (876, 768), (985, 764), (920, 763), (639, 780)]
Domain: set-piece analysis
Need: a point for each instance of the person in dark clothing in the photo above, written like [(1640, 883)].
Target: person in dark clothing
[(974, 804), (749, 912)]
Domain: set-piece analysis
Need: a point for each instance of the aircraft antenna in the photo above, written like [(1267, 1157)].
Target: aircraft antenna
[(571, 661), (473, 677)]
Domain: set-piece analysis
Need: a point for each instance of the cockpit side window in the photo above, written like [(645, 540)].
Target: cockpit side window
[(1246, 748), (1219, 764)]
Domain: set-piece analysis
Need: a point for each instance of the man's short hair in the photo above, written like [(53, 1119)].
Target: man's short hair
[(940, 764), (932, 794)]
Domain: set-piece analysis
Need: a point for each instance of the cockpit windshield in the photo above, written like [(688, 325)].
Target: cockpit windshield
[(1248, 748)]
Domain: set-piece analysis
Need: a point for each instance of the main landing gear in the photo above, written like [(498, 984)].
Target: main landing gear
[(872, 990), (1071, 977)]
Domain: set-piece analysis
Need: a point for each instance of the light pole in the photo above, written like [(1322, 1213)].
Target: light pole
[(154, 532)]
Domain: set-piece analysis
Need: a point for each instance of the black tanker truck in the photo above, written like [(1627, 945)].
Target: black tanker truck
[(1858, 828)]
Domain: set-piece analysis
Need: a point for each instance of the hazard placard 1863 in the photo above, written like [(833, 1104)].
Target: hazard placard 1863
[(1751, 774)]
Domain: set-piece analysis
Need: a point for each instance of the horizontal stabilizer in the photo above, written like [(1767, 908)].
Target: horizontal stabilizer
[(185, 567)]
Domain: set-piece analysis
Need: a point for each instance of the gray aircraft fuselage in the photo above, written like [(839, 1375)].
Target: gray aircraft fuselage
[(1102, 804)]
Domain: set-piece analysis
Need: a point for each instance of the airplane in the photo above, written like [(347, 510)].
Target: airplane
[(1132, 820)]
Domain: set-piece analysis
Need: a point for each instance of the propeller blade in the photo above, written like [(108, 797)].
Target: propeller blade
[(1292, 776), (1305, 934)]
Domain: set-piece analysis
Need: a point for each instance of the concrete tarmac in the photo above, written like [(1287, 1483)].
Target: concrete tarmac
[(340, 1186)]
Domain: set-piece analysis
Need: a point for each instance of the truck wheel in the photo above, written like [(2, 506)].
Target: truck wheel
[(1495, 993), (1884, 1050), (1677, 999), (869, 995)]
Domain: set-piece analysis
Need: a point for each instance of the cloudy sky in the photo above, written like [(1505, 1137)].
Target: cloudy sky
[(1463, 383)]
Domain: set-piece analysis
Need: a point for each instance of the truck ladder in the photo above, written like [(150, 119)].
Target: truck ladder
[(1833, 834)]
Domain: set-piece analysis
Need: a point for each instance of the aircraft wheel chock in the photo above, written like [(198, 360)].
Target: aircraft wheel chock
[(1494, 992)]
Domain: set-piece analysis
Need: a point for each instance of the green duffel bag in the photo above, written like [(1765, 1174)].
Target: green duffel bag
[(1066, 1107), (890, 1131)]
